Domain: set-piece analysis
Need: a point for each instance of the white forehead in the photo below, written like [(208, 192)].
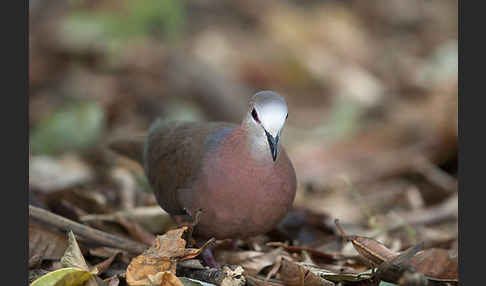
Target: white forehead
[(271, 109)]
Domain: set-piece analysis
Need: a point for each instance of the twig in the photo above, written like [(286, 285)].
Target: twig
[(434, 174), (86, 232), (445, 211), (227, 275)]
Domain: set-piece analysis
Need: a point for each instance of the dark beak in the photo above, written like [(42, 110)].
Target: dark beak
[(273, 143)]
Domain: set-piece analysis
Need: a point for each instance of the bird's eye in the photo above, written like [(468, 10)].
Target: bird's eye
[(255, 115)]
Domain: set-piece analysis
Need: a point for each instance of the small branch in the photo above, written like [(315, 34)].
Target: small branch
[(86, 232), (227, 275), (447, 210), (435, 175)]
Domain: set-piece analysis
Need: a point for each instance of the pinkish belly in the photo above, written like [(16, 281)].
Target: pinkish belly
[(237, 208)]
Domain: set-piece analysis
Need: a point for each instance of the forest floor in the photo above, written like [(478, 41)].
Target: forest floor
[(372, 91)]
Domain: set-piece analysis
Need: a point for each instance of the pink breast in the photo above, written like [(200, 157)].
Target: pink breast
[(244, 197)]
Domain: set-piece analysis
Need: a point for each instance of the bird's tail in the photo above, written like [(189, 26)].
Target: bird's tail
[(131, 147)]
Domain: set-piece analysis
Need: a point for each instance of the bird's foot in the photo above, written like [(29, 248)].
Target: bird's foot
[(208, 258)]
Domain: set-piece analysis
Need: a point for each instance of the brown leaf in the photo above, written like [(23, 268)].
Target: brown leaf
[(161, 258), (393, 270), (45, 243), (293, 274), (370, 249), (436, 264), (257, 281), (171, 244), (165, 279), (148, 264), (190, 253)]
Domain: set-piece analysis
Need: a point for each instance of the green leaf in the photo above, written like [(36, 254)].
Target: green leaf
[(162, 19), (63, 277), (383, 283), (76, 127)]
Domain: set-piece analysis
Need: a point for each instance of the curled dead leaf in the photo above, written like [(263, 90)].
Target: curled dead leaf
[(161, 258), (370, 249)]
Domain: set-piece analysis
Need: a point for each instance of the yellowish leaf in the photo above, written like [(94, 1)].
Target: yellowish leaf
[(63, 277)]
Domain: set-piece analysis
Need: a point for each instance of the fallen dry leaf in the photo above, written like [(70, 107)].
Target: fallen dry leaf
[(293, 274), (76, 271), (165, 278), (370, 249), (45, 243), (258, 281), (436, 264), (72, 256), (394, 269), (150, 267)]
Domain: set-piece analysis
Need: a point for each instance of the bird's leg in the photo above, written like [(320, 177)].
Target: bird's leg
[(208, 258), (195, 220), (206, 255)]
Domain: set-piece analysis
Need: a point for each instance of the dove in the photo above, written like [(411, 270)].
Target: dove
[(237, 176)]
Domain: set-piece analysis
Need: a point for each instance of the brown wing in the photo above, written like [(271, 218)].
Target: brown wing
[(172, 157)]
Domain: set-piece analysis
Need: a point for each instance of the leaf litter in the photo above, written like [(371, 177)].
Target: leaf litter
[(373, 142)]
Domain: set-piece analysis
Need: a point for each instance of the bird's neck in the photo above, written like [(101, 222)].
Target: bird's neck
[(249, 143)]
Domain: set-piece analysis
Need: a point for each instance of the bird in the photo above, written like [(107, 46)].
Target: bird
[(238, 176)]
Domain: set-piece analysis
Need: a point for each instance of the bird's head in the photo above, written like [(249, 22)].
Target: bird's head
[(265, 120)]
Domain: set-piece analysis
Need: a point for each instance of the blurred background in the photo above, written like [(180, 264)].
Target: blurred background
[(372, 90)]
